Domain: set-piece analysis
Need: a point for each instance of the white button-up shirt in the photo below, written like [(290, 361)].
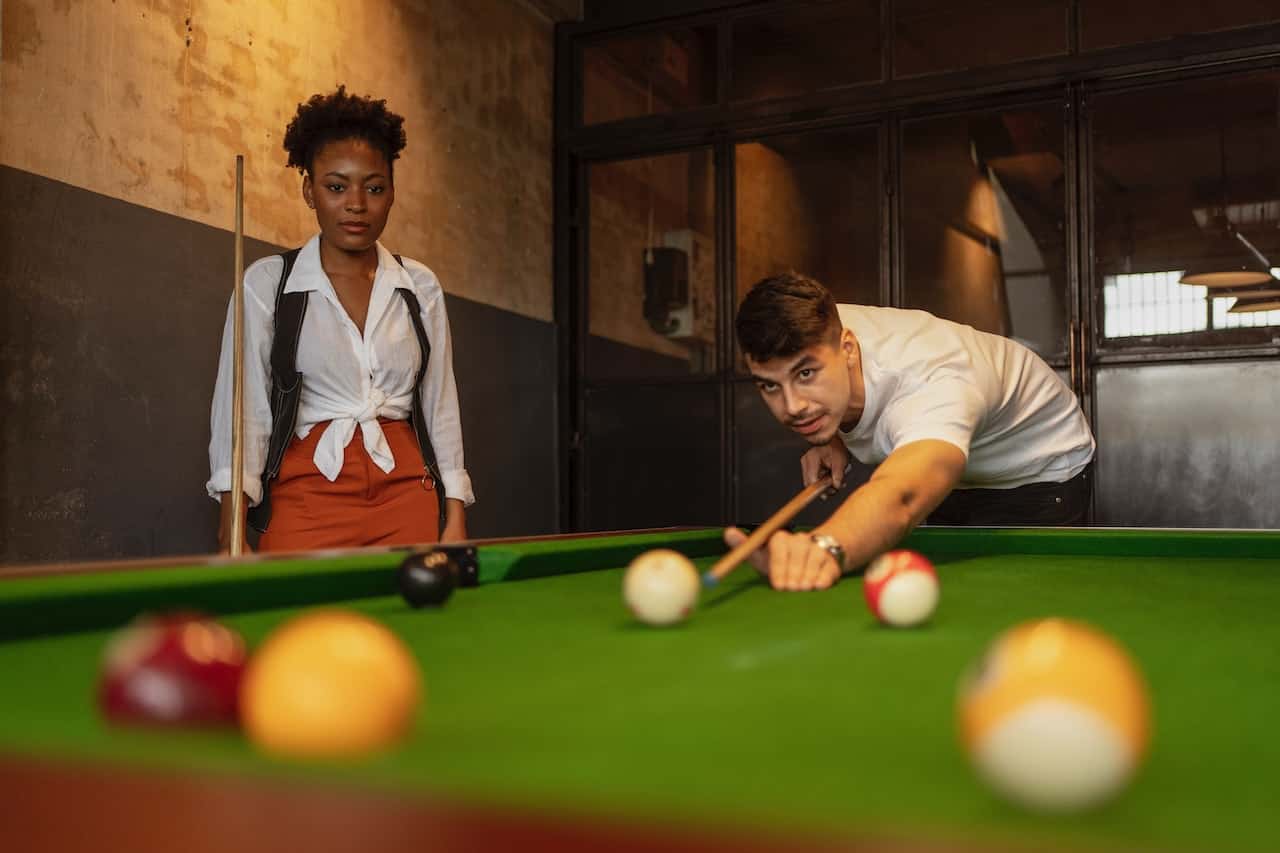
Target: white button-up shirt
[(350, 377)]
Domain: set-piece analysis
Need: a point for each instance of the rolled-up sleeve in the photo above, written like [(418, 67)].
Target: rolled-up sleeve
[(440, 398), (259, 324)]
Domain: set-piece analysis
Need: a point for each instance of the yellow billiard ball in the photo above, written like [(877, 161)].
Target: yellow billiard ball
[(330, 684), (1056, 717)]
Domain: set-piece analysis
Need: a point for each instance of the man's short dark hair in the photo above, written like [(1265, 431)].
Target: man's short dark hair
[(784, 314)]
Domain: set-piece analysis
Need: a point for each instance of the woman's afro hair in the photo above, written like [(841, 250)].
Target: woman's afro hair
[(338, 116)]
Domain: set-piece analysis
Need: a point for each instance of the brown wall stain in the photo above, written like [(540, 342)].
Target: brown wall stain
[(130, 163), (21, 37), (163, 95), (195, 195)]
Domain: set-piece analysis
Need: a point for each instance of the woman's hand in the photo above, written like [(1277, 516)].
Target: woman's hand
[(224, 527), (455, 523)]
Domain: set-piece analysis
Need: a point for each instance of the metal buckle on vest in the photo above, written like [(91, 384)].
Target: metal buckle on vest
[(428, 484)]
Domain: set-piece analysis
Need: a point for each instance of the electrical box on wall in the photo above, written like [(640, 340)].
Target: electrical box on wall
[(680, 287), (666, 291)]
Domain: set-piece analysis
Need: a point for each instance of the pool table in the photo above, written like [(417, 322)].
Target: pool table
[(769, 721)]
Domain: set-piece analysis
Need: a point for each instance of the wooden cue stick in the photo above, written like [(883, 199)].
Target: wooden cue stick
[(237, 374), (761, 534)]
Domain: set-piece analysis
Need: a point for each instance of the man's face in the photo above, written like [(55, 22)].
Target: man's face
[(809, 392)]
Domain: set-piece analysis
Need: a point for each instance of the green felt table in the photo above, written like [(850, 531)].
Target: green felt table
[(793, 713)]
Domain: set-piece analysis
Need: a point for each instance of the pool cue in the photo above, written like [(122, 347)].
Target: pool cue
[(237, 374), (761, 534)]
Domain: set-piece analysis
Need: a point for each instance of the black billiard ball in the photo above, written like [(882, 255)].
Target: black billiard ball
[(427, 579)]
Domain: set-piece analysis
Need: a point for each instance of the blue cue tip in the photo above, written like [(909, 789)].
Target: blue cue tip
[(709, 580)]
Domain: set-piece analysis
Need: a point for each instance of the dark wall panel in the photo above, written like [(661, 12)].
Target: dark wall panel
[(1188, 445), (652, 456), (505, 365), (609, 360), (112, 316)]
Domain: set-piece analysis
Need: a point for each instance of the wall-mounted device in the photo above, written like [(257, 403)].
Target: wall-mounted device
[(667, 304)]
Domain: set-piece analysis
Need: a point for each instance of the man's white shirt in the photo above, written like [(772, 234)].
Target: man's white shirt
[(1011, 415)]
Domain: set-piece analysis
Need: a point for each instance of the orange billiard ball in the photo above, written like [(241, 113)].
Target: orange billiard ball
[(330, 684)]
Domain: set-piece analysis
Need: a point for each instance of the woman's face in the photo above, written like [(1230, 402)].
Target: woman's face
[(350, 187)]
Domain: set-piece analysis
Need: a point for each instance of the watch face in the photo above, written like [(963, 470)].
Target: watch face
[(831, 546)]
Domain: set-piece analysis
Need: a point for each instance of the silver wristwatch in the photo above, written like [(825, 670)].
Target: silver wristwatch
[(831, 546)]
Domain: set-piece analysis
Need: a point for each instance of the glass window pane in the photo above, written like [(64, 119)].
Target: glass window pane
[(805, 50), (651, 291), (1107, 23), (1180, 174), (942, 35), (1152, 303), (648, 74), (983, 207), (810, 203)]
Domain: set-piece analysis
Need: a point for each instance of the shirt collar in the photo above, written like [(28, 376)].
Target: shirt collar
[(308, 274)]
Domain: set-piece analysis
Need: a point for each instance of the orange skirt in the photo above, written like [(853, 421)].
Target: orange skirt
[(364, 506)]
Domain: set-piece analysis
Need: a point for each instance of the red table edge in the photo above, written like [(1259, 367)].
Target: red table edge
[(63, 805)]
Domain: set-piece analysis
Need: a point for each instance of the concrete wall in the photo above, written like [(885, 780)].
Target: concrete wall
[(149, 101), (120, 125)]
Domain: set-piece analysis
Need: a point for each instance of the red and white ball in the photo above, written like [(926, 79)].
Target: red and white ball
[(661, 587), (901, 588)]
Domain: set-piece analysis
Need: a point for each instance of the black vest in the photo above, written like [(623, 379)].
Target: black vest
[(286, 390)]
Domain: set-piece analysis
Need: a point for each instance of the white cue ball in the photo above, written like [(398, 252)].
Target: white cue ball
[(661, 587)]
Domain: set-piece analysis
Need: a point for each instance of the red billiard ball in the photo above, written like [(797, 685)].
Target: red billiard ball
[(174, 669)]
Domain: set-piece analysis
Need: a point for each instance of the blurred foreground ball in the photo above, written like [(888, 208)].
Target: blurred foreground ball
[(1055, 717), (330, 683), (179, 669)]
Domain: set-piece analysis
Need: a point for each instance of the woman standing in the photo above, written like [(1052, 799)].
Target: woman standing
[(351, 469)]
